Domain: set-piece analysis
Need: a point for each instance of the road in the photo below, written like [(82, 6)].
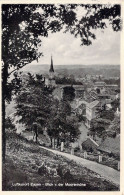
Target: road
[(106, 172)]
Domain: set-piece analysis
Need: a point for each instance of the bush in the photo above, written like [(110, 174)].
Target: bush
[(76, 149), (68, 176), (64, 173), (42, 170), (9, 124), (59, 171)]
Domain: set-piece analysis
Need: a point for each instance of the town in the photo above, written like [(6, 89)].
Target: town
[(97, 107)]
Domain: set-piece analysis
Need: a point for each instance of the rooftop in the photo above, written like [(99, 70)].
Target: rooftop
[(93, 104), (111, 145), (100, 83)]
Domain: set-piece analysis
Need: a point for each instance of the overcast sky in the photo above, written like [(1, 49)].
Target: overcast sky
[(66, 49)]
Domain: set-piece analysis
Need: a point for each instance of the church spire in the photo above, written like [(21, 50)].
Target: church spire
[(51, 66)]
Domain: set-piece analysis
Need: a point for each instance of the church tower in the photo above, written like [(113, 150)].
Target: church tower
[(51, 70), (51, 74)]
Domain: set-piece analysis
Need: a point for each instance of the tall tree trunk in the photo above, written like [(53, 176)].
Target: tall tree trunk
[(4, 94), (54, 142), (3, 131), (51, 141), (57, 142), (36, 135), (4, 91)]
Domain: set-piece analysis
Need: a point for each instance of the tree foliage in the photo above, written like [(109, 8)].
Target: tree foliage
[(61, 124), (33, 103), (69, 93), (115, 126), (65, 80), (98, 127), (107, 114)]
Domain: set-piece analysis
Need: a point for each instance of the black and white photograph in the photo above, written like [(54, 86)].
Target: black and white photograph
[(61, 88)]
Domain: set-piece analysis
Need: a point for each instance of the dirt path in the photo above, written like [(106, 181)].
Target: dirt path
[(106, 172)]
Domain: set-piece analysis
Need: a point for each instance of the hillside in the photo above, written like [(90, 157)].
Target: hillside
[(22, 170)]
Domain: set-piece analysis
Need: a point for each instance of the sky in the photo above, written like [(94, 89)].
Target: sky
[(66, 49)]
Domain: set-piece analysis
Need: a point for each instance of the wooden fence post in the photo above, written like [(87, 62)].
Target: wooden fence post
[(85, 154)]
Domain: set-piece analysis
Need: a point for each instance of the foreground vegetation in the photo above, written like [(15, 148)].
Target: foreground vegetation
[(25, 165)]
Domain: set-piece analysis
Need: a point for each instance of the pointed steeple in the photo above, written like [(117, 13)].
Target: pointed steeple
[(51, 66)]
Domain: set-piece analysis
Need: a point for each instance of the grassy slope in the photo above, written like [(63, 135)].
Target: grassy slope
[(25, 157)]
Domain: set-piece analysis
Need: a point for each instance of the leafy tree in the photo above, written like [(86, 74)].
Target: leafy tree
[(115, 126), (57, 120), (9, 124), (98, 90), (73, 127), (115, 104), (107, 114), (33, 104), (24, 24), (65, 80), (98, 127), (69, 93), (62, 126), (54, 122)]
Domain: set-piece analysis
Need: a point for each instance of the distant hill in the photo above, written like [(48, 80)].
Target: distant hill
[(76, 70)]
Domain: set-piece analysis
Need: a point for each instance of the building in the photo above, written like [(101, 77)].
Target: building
[(59, 88), (100, 86), (50, 81), (91, 111), (89, 145), (110, 146)]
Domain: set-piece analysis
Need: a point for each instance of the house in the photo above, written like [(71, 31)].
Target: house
[(79, 106), (112, 86), (93, 94), (79, 91), (100, 86), (91, 111), (104, 99), (89, 145), (108, 106), (110, 146)]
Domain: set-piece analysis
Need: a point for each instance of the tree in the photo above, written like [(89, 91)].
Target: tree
[(62, 126), (24, 24), (57, 120), (73, 128), (54, 122), (115, 104), (115, 126), (69, 93), (98, 90), (33, 104), (98, 127), (107, 114)]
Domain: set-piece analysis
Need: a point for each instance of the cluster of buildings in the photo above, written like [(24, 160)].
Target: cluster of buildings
[(93, 98)]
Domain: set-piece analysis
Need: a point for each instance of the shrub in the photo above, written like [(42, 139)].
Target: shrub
[(9, 124), (42, 170), (68, 176)]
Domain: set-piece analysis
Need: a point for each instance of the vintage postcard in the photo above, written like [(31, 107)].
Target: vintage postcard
[(61, 96)]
